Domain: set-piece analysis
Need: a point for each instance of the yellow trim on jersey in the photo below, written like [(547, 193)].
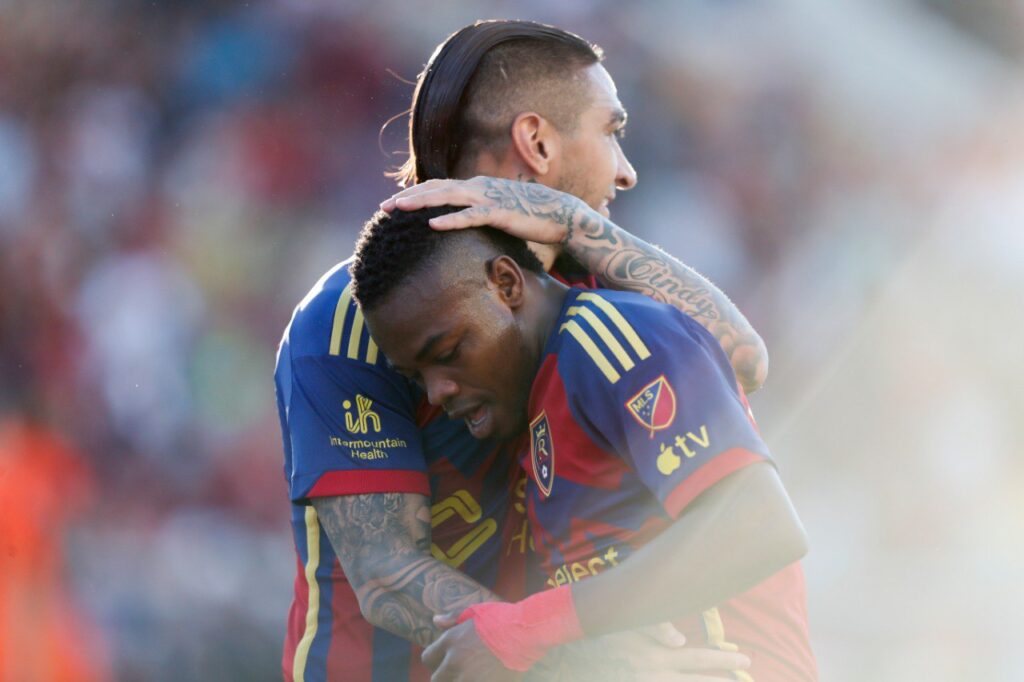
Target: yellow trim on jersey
[(716, 638), (313, 608), (461, 503), (466, 545), (355, 335), (619, 321), (340, 313), (613, 344), (371, 352), (592, 350)]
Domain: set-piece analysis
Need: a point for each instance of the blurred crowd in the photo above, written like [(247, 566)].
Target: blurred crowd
[(175, 175)]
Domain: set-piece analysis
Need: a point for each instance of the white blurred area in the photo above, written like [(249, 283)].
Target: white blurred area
[(174, 176)]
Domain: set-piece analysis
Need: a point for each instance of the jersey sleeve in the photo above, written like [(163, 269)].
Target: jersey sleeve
[(675, 412), (352, 430)]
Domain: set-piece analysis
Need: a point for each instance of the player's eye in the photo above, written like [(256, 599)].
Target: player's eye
[(449, 356)]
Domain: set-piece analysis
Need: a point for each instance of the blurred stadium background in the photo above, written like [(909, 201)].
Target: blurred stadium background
[(175, 175)]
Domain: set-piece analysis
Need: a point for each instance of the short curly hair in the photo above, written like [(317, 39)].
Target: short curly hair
[(394, 246)]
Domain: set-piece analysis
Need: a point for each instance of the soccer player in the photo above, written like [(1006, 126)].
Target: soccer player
[(399, 514), (651, 495)]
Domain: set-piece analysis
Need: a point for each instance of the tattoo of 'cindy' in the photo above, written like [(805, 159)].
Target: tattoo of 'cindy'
[(383, 543), (632, 266), (621, 261), (533, 199)]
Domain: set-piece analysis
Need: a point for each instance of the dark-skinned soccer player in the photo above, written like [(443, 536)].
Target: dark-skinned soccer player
[(651, 494)]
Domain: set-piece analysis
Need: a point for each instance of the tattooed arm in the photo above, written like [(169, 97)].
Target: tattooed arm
[(623, 261), (383, 543), (619, 259)]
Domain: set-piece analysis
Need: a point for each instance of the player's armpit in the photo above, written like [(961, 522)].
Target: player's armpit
[(383, 543)]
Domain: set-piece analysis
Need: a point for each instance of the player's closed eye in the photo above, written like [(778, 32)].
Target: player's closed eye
[(449, 356)]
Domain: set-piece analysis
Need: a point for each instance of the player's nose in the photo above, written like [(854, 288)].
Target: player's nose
[(440, 389), (625, 177)]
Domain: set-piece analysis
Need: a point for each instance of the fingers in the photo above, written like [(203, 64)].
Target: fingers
[(448, 196), (433, 655), (446, 620), (442, 674), (429, 193), (704, 660), (667, 635), (476, 216)]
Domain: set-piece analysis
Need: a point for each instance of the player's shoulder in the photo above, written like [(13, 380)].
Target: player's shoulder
[(328, 321), (637, 309), (613, 334)]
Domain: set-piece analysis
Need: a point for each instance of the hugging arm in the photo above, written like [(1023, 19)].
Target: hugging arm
[(623, 261), (383, 543), (618, 259), (737, 533)]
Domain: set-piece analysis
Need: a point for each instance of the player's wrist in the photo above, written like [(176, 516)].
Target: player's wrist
[(520, 634), (582, 214)]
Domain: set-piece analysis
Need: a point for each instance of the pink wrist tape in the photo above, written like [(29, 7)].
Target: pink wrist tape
[(520, 634)]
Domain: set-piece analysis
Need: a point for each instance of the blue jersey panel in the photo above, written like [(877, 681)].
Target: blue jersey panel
[(648, 383), (348, 422)]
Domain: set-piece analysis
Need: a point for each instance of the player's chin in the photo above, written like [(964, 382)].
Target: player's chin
[(495, 425)]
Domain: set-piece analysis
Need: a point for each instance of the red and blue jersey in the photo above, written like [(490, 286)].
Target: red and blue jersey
[(353, 426), (634, 412)]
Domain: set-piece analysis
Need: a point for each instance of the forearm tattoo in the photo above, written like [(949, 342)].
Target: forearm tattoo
[(622, 261), (383, 543)]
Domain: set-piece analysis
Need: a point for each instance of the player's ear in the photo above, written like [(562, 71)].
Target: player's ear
[(536, 142), (505, 275)]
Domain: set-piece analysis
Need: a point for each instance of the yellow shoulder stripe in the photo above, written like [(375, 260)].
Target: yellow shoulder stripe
[(613, 344), (592, 350), (340, 313), (590, 331), (371, 352), (619, 321), (355, 336)]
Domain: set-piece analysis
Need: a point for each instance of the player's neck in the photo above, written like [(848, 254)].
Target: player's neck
[(547, 296)]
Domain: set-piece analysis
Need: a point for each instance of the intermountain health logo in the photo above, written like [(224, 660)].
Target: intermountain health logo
[(365, 418)]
